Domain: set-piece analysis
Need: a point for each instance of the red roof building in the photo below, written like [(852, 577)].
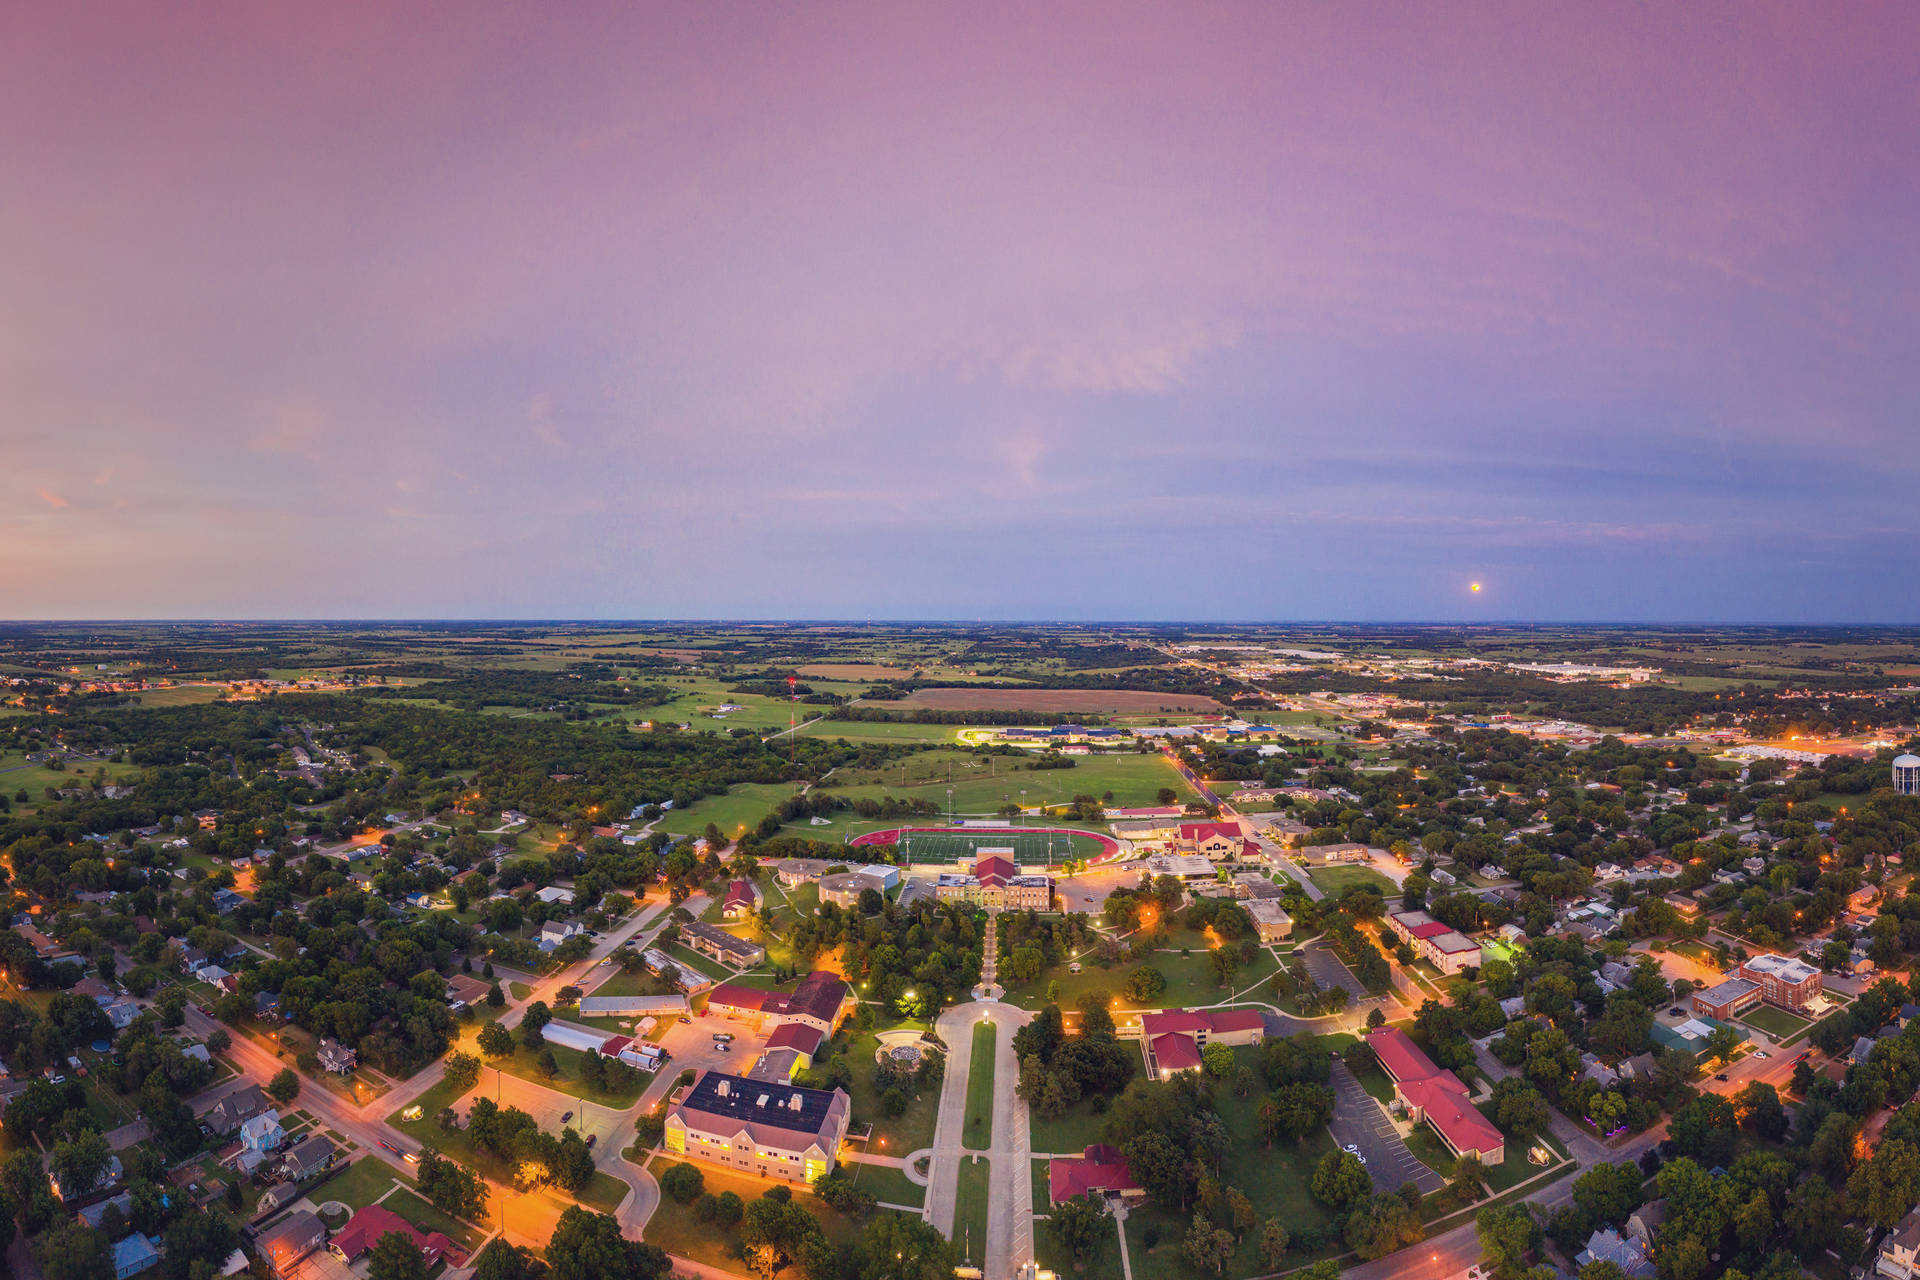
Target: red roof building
[(1102, 1170), (366, 1228), (743, 899), (821, 1000), (1436, 1097), (1174, 1036), (798, 1036), (1215, 840), (994, 871), (612, 1048)]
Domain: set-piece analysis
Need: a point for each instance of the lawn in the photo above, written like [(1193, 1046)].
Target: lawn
[(887, 1184), (427, 1218), (712, 968), (1777, 1023), (521, 1063), (892, 1135), (1334, 881), (970, 1209), (981, 785), (978, 1135), (675, 1228), (734, 813), (1190, 981), (364, 1181), (1068, 1133)]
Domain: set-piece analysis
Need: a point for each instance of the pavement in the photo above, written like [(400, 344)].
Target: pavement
[(1010, 1149), (1330, 971), (1360, 1121)]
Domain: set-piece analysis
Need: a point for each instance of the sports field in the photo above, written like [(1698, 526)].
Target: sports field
[(1029, 845)]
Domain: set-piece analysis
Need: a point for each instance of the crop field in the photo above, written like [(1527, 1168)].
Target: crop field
[(1084, 701)]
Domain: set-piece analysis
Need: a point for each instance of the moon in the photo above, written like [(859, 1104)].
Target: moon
[(1474, 587)]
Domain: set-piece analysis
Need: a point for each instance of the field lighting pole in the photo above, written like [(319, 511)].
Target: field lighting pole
[(949, 806)]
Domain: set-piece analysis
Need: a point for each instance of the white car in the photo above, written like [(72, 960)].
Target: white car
[(1354, 1151)]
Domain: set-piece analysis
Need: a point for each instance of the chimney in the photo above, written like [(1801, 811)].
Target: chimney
[(721, 1089)]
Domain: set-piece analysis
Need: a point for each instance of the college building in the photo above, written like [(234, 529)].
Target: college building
[(1785, 982), (1436, 1097), (721, 945), (821, 1001), (1439, 944), (997, 885), (759, 1126), (1173, 1038)]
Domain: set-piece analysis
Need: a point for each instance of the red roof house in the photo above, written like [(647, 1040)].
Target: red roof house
[(366, 1228), (1174, 1036), (801, 1037), (1102, 1170)]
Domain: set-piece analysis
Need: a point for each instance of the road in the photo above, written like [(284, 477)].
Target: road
[(1010, 1150)]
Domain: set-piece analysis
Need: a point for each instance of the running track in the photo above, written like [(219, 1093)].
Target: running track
[(1108, 845)]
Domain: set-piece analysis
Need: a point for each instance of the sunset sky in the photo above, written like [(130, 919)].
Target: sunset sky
[(1256, 311)]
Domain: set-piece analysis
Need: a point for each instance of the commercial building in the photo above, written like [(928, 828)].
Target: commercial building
[(1442, 946), (1436, 1097), (764, 1127), (1785, 982), (1726, 999), (821, 1001), (1269, 918), (721, 945), (1185, 868), (632, 1006), (1173, 1038)]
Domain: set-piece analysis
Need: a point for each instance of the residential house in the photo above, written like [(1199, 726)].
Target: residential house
[(235, 1109), (1100, 1170), (290, 1240), (1608, 1245), (278, 1196), (266, 1004), (308, 1158), (336, 1057), (742, 901), (107, 1179), (133, 1255), (261, 1133), (366, 1228), (1899, 1257)]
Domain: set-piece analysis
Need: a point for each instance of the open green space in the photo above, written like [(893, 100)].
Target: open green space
[(363, 1182), (1190, 982), (1777, 1023), (705, 964), (676, 1228), (424, 1216), (898, 1135), (1069, 1133), (1334, 881), (523, 1062), (887, 1184), (978, 1134), (983, 784), (970, 1209), (735, 813)]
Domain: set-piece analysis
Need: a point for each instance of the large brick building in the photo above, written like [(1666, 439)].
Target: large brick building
[(1173, 1038), (1438, 943), (760, 1126), (997, 885), (821, 1001), (1436, 1097), (1788, 983)]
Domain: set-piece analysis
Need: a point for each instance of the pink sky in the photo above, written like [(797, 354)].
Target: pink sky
[(654, 310)]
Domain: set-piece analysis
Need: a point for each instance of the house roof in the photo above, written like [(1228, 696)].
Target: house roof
[(1400, 1055), (1175, 1051), (798, 1036), (994, 870), (1443, 1099), (775, 1115), (1101, 1168), (1199, 831), (366, 1227), (1727, 992), (295, 1235)]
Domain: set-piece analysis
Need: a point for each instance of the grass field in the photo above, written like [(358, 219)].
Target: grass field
[(675, 1228), (982, 784), (892, 1135), (887, 1185), (1777, 1023), (364, 1181), (1190, 982), (970, 1209), (1334, 881), (1029, 847), (978, 1135), (735, 813)]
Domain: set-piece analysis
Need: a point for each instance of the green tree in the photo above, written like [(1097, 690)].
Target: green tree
[(1608, 1192), (284, 1087), (72, 1251), (395, 1257), (683, 1182), (495, 1040), (1218, 1059), (77, 1164), (589, 1246), (1273, 1243), (1507, 1234), (1078, 1225), (1206, 1246), (895, 1246), (1884, 1187), (502, 1261), (1340, 1181)]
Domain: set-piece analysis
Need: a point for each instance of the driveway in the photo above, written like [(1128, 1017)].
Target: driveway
[(1330, 971), (1360, 1121)]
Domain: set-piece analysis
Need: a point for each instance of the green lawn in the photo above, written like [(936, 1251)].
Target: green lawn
[(1334, 881), (1190, 981), (364, 1181), (1068, 1133), (892, 1135), (522, 1063), (887, 1184), (427, 1218), (712, 968), (982, 784), (675, 1228), (970, 1209), (1777, 1023), (735, 813), (978, 1135)]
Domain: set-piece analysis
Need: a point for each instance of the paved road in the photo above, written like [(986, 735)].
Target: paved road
[(1010, 1150), (1360, 1121)]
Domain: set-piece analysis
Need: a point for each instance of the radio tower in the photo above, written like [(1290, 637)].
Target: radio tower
[(793, 704)]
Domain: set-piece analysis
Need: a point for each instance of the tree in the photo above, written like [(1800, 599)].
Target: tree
[(589, 1246), (495, 996), (1722, 1043), (1507, 1234), (1273, 1243), (1760, 1112), (284, 1087), (1519, 1109), (72, 1251), (1340, 1182), (395, 1257), (536, 1017), (462, 1071), (1218, 1060), (218, 1041), (1078, 1225), (1886, 1186), (78, 1164), (896, 1246), (1608, 1192), (502, 1261), (495, 1040), (683, 1182), (1207, 1247), (1379, 1225)]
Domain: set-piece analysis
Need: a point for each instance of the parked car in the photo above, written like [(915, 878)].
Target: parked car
[(565, 1116), (1721, 1076), (591, 1139), (685, 1018)]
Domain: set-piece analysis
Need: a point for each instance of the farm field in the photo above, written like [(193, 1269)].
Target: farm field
[(1083, 701)]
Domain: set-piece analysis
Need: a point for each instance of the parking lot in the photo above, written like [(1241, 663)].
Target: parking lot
[(1360, 1121), (1330, 971), (545, 1105), (692, 1046)]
